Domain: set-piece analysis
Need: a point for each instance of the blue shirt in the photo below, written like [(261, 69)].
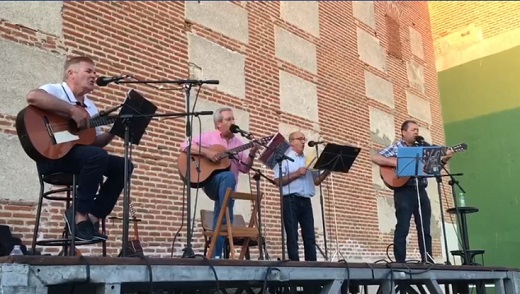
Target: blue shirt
[(304, 185)]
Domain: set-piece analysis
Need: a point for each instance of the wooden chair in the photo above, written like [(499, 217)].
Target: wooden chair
[(206, 217), (232, 231)]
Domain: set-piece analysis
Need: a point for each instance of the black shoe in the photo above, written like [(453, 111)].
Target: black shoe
[(84, 230), (97, 234), (69, 218)]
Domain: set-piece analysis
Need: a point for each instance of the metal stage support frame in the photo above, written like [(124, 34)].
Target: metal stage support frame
[(103, 275)]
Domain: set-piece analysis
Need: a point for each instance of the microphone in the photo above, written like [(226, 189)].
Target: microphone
[(419, 141), (314, 143), (236, 129), (211, 82), (110, 110), (103, 81)]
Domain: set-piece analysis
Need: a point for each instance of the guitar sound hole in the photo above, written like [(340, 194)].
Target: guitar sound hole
[(73, 127)]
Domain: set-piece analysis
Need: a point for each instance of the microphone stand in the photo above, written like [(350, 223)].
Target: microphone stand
[(322, 216), (262, 247), (187, 85), (452, 182), (438, 178), (279, 157), (188, 250)]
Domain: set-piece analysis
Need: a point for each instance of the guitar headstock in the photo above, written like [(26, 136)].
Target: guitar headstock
[(132, 210), (459, 147)]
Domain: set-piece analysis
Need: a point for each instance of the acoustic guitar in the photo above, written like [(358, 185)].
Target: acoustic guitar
[(46, 135), (135, 243), (201, 168), (392, 181), (134, 248)]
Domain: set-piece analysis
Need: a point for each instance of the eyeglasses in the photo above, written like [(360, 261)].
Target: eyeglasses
[(300, 139)]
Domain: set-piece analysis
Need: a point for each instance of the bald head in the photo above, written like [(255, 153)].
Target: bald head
[(297, 141)]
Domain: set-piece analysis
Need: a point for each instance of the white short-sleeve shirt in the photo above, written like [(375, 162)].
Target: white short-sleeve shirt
[(64, 92)]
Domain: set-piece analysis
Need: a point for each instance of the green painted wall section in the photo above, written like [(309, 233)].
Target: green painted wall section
[(491, 168), (483, 86), (481, 107)]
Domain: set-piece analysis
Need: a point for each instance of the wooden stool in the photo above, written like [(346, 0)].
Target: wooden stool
[(467, 255), (67, 242)]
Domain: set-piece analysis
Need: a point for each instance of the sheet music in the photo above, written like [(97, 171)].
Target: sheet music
[(277, 144)]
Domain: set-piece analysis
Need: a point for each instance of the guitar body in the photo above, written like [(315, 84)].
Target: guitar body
[(391, 180), (433, 155), (45, 135), (201, 168)]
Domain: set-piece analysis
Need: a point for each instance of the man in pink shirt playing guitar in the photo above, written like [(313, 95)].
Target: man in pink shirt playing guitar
[(215, 183)]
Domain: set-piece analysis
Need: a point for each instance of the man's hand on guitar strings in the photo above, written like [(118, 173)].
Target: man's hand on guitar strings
[(80, 117), (212, 155)]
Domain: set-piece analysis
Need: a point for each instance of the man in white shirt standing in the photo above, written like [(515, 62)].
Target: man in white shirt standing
[(298, 188), (90, 163)]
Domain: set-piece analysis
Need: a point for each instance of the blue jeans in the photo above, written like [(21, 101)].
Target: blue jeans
[(216, 188), (91, 163)]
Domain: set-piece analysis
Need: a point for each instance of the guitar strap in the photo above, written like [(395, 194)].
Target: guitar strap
[(70, 100)]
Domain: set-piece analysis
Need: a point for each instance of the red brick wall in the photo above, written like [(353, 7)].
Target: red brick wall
[(148, 40)]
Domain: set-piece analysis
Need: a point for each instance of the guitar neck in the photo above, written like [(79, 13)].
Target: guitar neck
[(101, 121), (242, 147), (134, 219), (237, 149), (458, 148)]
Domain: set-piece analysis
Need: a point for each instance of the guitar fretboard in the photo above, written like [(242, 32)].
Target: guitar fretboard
[(244, 147), (102, 120)]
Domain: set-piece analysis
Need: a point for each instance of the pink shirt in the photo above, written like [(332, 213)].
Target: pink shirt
[(208, 139)]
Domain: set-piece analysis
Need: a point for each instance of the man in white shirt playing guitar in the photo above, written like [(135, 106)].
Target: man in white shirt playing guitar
[(91, 162)]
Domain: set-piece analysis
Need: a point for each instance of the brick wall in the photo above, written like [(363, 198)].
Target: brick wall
[(149, 40), (494, 18), (460, 29)]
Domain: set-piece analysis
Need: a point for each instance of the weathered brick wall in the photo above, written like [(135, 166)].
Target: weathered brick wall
[(466, 31), (494, 18), (346, 72)]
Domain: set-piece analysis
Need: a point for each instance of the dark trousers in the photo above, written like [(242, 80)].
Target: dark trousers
[(297, 209), (90, 164), (406, 205)]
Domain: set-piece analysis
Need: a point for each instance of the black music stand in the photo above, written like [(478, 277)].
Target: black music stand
[(134, 117), (433, 165), (422, 162), (186, 87), (335, 158), (274, 155)]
